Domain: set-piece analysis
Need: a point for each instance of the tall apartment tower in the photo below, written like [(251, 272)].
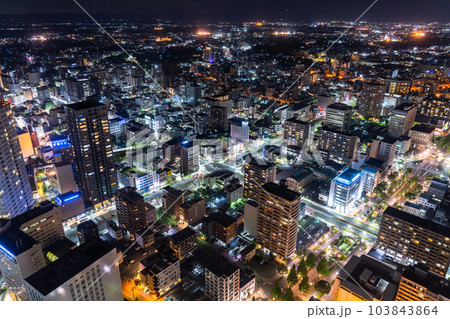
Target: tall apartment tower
[(219, 118), (256, 174), (337, 146), (278, 215), (339, 116), (91, 140), (222, 280), (371, 99), (16, 196), (409, 239), (402, 119), (296, 132), (133, 212), (417, 283), (89, 272)]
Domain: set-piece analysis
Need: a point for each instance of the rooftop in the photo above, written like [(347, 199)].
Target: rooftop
[(420, 275), (84, 105), (60, 271), (423, 128), (340, 106), (420, 222), (348, 176), (280, 191), (182, 235), (222, 267)]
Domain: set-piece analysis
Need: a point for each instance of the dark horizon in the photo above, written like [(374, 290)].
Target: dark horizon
[(201, 11)]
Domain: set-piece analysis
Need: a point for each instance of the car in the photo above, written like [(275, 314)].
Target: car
[(131, 261)]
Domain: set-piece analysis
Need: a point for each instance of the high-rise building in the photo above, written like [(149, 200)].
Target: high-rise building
[(421, 135), (89, 272), (366, 279), (80, 89), (386, 150), (402, 119), (190, 157), (87, 231), (297, 132), (339, 117), (256, 174), (42, 223), (219, 117), (337, 146), (193, 210), (239, 129), (398, 86), (250, 217), (345, 190), (371, 100), (15, 196), (91, 140), (133, 213), (409, 239), (278, 216), (222, 280), (417, 283), (172, 199), (20, 257)]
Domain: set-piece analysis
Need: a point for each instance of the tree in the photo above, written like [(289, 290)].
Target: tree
[(282, 269), (304, 285), (292, 278), (392, 177), (311, 260), (253, 299), (323, 287), (302, 269), (275, 292), (289, 295), (322, 267)]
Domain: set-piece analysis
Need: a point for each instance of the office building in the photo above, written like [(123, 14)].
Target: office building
[(94, 164), (371, 178), (370, 102), (438, 187), (239, 129), (15, 196), (133, 213), (87, 231), (256, 174), (89, 272), (190, 157), (63, 180), (387, 150), (161, 272), (42, 223), (297, 132), (346, 190), (337, 146), (222, 281), (365, 278), (409, 239), (20, 257), (338, 117), (70, 204), (417, 283), (278, 216), (402, 119), (183, 243), (421, 135)]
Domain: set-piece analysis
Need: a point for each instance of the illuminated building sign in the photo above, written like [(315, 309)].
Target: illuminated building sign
[(346, 178), (7, 253), (60, 143), (62, 200)]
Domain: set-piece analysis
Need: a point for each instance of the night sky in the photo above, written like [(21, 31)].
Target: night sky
[(245, 10)]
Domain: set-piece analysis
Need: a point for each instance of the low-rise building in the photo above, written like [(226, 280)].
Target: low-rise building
[(183, 243)]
